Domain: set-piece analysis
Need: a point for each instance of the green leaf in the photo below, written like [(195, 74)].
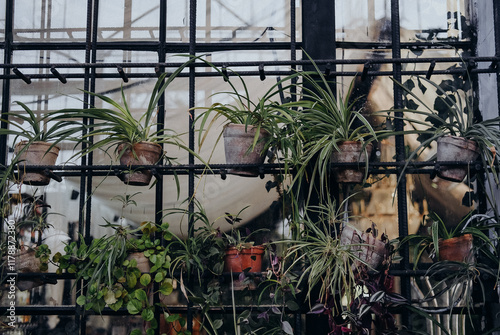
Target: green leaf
[(292, 305), (134, 306), (218, 323), (110, 298), (116, 306), (81, 300), (166, 288), (145, 279), (147, 315), (136, 332), (141, 295)]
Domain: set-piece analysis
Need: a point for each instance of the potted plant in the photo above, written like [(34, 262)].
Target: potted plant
[(240, 253), (250, 126), (461, 134), (119, 269), (328, 267), (452, 244), (331, 128), (39, 138), (136, 141)]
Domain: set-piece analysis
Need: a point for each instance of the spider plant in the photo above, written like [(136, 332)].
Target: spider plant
[(324, 119), (322, 260), (263, 113), (119, 126), (473, 224), (47, 128)]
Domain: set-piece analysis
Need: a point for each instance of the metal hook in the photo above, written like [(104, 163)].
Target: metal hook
[(122, 74), (18, 73), (223, 174), (262, 175), (224, 72), (432, 65), (366, 67), (262, 74), (59, 76), (327, 69), (157, 71)]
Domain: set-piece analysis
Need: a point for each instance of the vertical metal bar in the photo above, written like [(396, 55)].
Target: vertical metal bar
[(161, 125), (496, 25), (400, 155), (7, 59), (192, 77)]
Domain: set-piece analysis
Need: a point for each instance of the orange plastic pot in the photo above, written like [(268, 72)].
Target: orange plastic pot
[(247, 258), (457, 249)]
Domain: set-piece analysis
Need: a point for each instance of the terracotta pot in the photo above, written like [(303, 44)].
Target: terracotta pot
[(455, 149), (238, 260), (142, 262), (457, 249), (237, 141), (26, 262), (146, 153), (351, 152), (373, 253), (38, 153)]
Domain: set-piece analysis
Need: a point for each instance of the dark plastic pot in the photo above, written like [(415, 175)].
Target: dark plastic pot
[(146, 153), (455, 149), (351, 152), (237, 141)]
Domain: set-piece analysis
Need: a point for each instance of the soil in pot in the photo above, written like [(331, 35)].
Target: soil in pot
[(247, 258), (38, 153), (455, 149), (237, 142), (351, 152), (457, 249), (144, 153)]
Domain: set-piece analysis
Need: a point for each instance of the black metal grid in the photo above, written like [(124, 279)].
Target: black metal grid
[(318, 40)]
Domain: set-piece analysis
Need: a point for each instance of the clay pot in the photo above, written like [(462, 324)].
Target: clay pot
[(457, 249), (351, 152), (142, 261), (455, 149), (237, 141), (26, 262), (372, 252), (38, 153), (146, 153), (238, 260)]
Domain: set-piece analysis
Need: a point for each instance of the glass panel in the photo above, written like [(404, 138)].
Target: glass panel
[(427, 20), (49, 57), (131, 20), (231, 21), (435, 20), (362, 21), (50, 21), (122, 56), (2, 22)]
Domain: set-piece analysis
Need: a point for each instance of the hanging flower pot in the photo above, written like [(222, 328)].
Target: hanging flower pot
[(455, 149), (36, 154), (237, 142), (144, 153), (457, 249), (351, 152), (367, 247), (26, 262), (247, 258)]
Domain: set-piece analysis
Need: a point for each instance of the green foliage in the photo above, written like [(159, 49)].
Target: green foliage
[(46, 128), (322, 260), (321, 120), (437, 230)]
